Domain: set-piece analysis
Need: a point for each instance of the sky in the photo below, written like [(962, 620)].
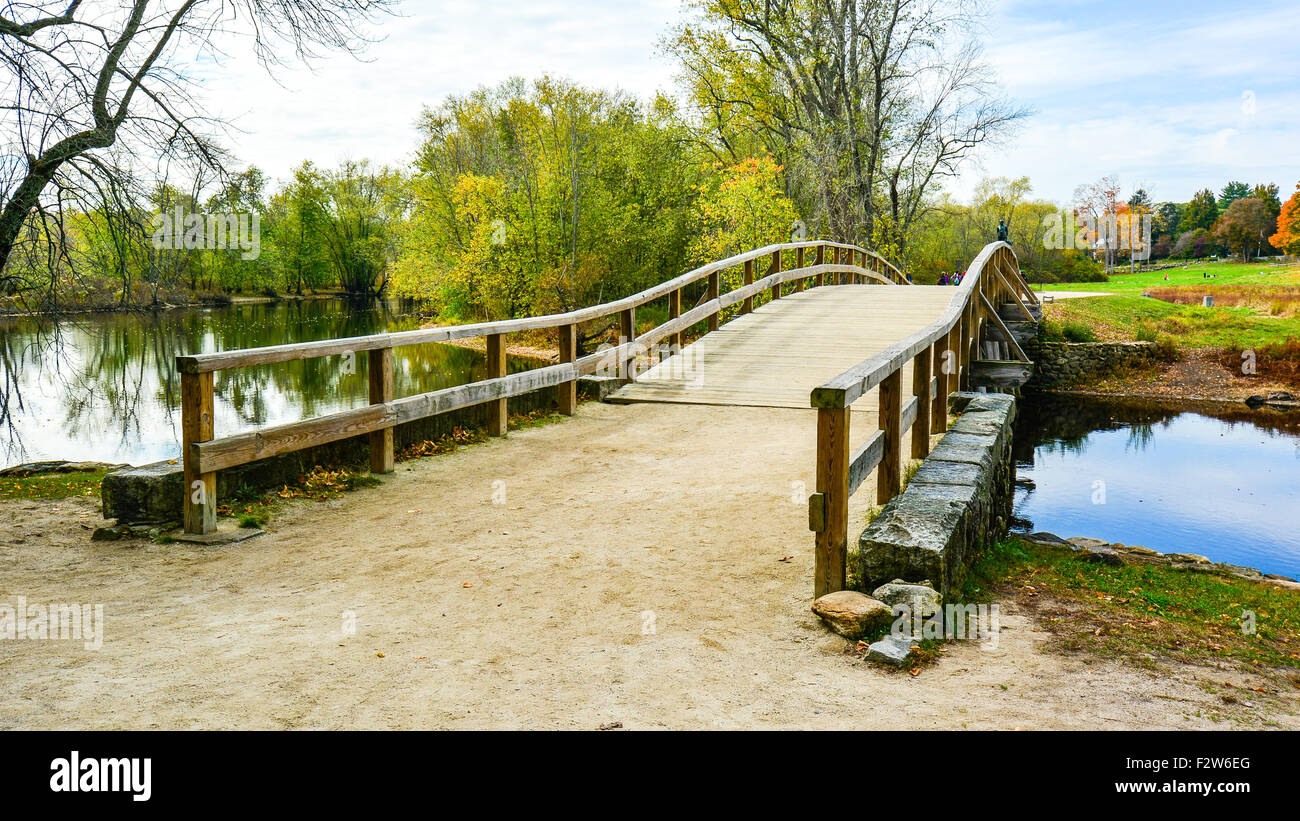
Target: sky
[(1171, 97)]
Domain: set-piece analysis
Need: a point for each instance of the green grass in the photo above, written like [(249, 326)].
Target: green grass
[(1136, 612), (51, 486), (1227, 273), (1192, 326)]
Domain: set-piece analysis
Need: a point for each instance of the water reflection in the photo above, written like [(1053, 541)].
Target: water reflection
[(104, 386), (1220, 482)]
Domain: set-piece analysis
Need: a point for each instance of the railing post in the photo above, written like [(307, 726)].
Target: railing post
[(200, 502), (715, 288), (496, 367), (821, 260), (798, 263), (888, 478), (568, 391), (627, 330), (939, 408), (674, 311), (775, 267), (953, 383), (971, 330), (921, 390), (829, 574), (963, 331), (381, 391), (748, 304)]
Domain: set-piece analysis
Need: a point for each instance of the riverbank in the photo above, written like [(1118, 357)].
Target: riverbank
[(534, 596), (1198, 375), (171, 303)]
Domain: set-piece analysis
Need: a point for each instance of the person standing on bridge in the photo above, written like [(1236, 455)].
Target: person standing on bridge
[(943, 278), (1004, 231)]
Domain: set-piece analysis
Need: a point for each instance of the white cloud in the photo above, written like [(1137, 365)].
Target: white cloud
[(341, 107), (1154, 96)]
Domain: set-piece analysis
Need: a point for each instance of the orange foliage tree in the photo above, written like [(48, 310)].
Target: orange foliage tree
[(1287, 238)]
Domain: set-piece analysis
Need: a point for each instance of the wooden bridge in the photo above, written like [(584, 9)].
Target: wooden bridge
[(826, 325)]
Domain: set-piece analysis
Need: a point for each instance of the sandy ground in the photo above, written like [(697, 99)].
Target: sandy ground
[(565, 577)]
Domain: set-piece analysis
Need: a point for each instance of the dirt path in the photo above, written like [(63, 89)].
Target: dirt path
[(512, 585)]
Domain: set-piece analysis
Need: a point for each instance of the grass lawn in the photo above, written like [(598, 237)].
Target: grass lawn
[(1121, 318), (1135, 612), (51, 485), (1235, 274)]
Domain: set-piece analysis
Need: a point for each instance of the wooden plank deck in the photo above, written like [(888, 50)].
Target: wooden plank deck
[(776, 355)]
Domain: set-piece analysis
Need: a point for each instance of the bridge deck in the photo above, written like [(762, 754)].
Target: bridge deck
[(776, 355)]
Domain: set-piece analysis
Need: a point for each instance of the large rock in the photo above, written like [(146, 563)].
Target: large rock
[(922, 599), (894, 650), (852, 614), (151, 493), (56, 466)]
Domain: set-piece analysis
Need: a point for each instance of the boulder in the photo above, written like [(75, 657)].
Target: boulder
[(893, 650), (921, 598), (1047, 539), (151, 493), (852, 614)]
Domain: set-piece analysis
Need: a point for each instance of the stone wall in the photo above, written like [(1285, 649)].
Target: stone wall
[(152, 493), (1061, 363), (957, 504)]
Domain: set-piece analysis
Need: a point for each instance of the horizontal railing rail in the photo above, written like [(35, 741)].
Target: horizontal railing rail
[(204, 454), (940, 354)]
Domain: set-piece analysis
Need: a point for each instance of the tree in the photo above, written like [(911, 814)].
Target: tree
[(1268, 194), (297, 221), (868, 105), (552, 195), (1245, 226), (1141, 200), (1201, 212), (81, 78), (1232, 192), (1164, 227), (743, 209), (1287, 238), (1099, 204)]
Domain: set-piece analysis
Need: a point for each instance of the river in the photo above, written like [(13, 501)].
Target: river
[(104, 386), (1174, 478)]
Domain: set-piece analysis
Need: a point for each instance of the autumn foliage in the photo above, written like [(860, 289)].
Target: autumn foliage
[(1287, 238)]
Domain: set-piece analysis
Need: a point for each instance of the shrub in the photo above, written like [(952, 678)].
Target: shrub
[(1075, 331), (1145, 333), (1166, 348)]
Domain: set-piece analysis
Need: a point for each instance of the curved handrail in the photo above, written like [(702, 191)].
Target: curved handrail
[(845, 388), (204, 454), (201, 363), (941, 354)]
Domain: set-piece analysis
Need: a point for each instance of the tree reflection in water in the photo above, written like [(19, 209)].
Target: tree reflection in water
[(104, 386)]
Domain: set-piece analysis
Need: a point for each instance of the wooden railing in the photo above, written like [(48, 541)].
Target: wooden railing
[(940, 355), (204, 455)]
